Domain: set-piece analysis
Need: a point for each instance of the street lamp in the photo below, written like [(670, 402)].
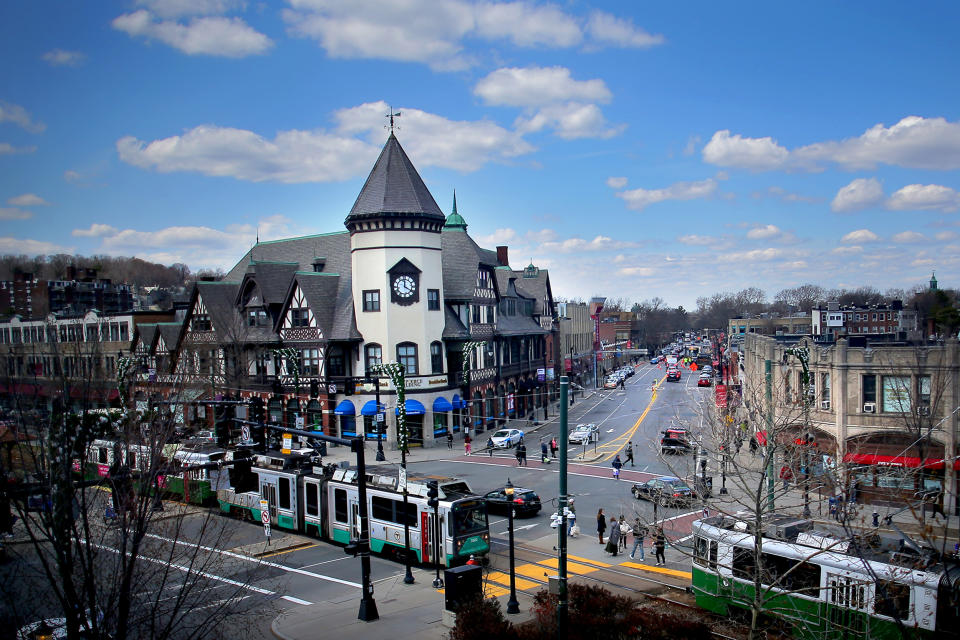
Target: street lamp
[(512, 605)]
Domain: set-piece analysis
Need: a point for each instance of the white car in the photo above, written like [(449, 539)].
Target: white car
[(585, 433), (505, 438)]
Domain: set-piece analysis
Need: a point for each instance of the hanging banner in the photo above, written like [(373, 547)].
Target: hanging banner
[(720, 394)]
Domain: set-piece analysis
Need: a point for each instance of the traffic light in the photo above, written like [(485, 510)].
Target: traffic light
[(222, 421), (314, 389), (256, 416), (433, 494)]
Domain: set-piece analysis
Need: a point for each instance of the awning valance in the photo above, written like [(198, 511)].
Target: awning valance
[(414, 408), (370, 408), (458, 402), (345, 408), (897, 461), (441, 404)]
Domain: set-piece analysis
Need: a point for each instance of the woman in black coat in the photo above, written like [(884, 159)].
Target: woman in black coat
[(601, 525)]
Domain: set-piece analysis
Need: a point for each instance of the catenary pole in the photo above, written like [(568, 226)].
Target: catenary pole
[(562, 529)]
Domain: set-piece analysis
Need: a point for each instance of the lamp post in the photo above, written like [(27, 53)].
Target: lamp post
[(378, 418), (512, 605), (395, 371), (465, 358)]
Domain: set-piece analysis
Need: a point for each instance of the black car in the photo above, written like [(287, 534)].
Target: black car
[(664, 491), (525, 502), (673, 375)]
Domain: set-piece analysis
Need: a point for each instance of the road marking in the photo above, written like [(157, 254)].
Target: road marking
[(291, 550), (504, 579), (669, 572), (531, 571), (572, 567), (630, 432), (526, 526), (275, 565), (600, 564)]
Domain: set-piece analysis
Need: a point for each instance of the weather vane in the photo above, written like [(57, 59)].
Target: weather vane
[(391, 116)]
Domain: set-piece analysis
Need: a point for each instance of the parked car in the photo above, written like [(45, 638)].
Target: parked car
[(611, 382), (585, 433), (203, 436), (525, 502), (506, 438), (654, 359), (676, 440), (665, 491), (673, 375), (705, 380)]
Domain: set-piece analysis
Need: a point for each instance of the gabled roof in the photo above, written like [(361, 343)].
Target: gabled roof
[(394, 188), (453, 328), (536, 287), (272, 279), (320, 291), (461, 258), (170, 332), (518, 325), (144, 333)]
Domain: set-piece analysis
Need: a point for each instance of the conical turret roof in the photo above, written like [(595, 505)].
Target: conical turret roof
[(394, 189), (455, 220)]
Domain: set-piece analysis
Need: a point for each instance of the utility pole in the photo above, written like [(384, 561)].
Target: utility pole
[(562, 604), (768, 384)]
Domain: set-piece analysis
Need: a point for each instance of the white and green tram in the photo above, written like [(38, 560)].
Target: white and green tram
[(313, 501), (823, 585)]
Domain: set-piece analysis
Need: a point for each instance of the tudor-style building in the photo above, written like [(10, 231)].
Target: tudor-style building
[(403, 283)]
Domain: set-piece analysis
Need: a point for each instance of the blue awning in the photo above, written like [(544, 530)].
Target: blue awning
[(458, 403), (370, 408), (442, 404), (414, 408), (345, 408)]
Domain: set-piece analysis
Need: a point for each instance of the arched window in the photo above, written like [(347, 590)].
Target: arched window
[(407, 356), (373, 355), (436, 357)]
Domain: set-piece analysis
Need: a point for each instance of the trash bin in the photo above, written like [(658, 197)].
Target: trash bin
[(462, 584)]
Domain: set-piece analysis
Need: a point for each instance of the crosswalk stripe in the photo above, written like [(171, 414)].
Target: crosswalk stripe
[(504, 579), (670, 572), (495, 591), (597, 563), (531, 571), (572, 567)]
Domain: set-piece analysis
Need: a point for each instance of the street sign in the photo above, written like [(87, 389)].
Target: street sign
[(265, 518), (287, 443), (402, 481), (245, 432), (300, 422), (380, 416)]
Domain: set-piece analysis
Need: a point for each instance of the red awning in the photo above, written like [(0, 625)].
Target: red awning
[(897, 461)]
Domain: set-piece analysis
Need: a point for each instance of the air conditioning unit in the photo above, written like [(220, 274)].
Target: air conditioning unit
[(869, 407), (923, 411), (824, 404)]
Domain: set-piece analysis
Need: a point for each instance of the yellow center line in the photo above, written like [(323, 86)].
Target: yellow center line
[(630, 432), (291, 550)]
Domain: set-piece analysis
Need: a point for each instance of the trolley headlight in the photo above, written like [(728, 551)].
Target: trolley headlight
[(459, 545)]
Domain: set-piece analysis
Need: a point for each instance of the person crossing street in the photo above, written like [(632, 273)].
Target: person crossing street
[(630, 454)]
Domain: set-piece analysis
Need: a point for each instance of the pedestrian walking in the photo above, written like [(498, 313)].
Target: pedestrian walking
[(572, 518), (786, 474), (622, 384), (601, 524), (613, 542), (660, 546), (523, 453), (449, 439), (490, 447), (737, 443), (518, 455), (466, 443), (639, 537), (543, 453), (630, 454), (617, 465), (753, 446), (554, 447), (624, 530)]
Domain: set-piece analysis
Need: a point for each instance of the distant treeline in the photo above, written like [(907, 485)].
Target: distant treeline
[(132, 271)]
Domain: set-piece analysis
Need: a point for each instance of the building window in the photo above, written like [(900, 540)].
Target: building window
[(923, 391), (476, 313), (433, 299), (896, 394), (407, 356), (870, 388), (825, 387), (310, 362), (299, 317), (256, 318), (371, 300), (373, 356), (335, 366), (436, 357)]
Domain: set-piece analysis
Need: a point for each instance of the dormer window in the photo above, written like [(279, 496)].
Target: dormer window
[(299, 317), (256, 318), (201, 323)]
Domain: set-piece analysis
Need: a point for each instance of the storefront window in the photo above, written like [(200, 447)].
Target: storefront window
[(894, 479), (896, 394)]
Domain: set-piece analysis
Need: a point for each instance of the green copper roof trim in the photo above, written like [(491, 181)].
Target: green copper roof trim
[(217, 282), (455, 220), (316, 235), (252, 261), (315, 273)]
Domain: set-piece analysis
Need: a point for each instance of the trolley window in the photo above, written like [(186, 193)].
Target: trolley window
[(340, 505), (283, 488), (744, 563), (392, 510), (469, 517), (705, 552), (893, 599), (313, 508), (102, 455)]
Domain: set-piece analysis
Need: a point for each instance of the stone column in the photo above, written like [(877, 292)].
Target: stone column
[(841, 386)]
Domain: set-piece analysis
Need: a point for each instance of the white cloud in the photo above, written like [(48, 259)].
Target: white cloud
[(95, 231), (638, 199), (691, 147), (860, 236), (913, 142), (180, 8), (756, 255), (924, 197), (945, 236), (570, 121), (209, 35), (538, 86), (616, 182), (599, 243), (27, 200), (636, 271), (18, 246), (909, 236), (782, 194), (860, 194), (8, 149), (325, 156), (846, 251), (62, 58), (764, 232), (19, 116), (11, 213), (605, 28), (758, 154), (697, 240), (434, 33), (498, 237)]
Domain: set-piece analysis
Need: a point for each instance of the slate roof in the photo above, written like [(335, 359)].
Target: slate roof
[(394, 188), (517, 325), (320, 290), (461, 258), (170, 332), (537, 288), (272, 278), (145, 334), (453, 328), (301, 251), (220, 301)]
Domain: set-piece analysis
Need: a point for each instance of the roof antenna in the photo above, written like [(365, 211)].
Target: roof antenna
[(391, 116)]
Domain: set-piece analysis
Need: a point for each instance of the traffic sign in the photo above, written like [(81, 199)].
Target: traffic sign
[(245, 432), (265, 518), (402, 481)]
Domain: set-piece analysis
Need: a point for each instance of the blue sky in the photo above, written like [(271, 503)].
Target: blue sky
[(636, 149)]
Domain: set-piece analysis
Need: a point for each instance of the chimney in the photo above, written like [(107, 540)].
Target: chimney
[(502, 256)]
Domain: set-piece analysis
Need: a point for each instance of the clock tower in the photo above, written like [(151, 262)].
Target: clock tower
[(395, 227)]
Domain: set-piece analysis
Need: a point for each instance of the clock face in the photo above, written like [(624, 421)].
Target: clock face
[(404, 286)]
